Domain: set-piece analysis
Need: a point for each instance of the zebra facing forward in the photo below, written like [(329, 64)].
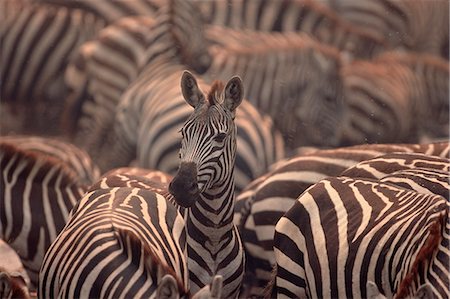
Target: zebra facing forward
[(204, 184), (38, 188), (343, 233)]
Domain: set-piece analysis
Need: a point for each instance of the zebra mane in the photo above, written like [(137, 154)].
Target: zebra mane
[(423, 256), (215, 93), (9, 151), (152, 261)]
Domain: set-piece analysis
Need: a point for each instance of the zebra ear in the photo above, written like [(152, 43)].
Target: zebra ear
[(234, 93), (167, 288), (191, 92)]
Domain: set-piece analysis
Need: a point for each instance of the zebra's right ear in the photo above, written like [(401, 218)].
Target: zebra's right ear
[(191, 92)]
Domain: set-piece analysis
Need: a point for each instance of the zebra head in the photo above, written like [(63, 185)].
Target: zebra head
[(208, 146)]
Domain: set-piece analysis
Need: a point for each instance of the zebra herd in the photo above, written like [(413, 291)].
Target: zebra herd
[(225, 149)]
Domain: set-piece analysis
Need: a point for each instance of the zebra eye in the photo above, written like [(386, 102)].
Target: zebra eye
[(220, 137)]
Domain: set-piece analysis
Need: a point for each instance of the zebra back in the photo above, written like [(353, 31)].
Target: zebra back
[(141, 234), (75, 158), (37, 194), (375, 231), (259, 207), (378, 167)]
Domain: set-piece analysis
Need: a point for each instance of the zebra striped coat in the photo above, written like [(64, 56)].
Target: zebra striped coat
[(395, 98), (289, 76), (260, 206), (38, 190), (38, 41), (421, 26), (307, 16), (343, 232), (117, 242)]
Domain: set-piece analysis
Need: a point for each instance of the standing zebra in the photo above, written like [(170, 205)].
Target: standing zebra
[(260, 206), (204, 184), (395, 98), (37, 192), (343, 232), (38, 40)]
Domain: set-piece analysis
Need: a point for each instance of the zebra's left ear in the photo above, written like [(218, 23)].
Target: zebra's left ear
[(167, 288), (234, 93), (191, 92)]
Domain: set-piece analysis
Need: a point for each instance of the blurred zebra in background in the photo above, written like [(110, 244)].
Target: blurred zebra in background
[(343, 232), (395, 98), (105, 67), (111, 11), (421, 26), (310, 17), (289, 76), (152, 110), (38, 40), (40, 184), (260, 206), (204, 184)]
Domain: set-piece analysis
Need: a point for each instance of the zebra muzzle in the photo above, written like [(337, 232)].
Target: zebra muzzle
[(184, 185)]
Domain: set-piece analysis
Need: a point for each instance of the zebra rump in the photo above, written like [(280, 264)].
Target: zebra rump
[(117, 242), (343, 232)]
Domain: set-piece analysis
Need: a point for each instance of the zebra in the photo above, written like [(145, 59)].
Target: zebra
[(289, 76), (38, 190), (38, 40), (432, 94), (78, 160), (394, 101), (133, 42), (111, 11), (378, 167), (421, 26), (142, 238), (343, 232), (204, 183), (259, 207), (311, 17), (152, 109)]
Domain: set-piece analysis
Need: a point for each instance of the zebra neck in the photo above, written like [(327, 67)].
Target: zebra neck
[(210, 219)]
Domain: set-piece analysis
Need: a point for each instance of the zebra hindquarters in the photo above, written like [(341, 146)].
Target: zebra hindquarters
[(343, 232), (118, 242)]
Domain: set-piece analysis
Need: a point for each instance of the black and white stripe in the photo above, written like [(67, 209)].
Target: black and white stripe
[(343, 232), (118, 242), (38, 41), (263, 203), (38, 190), (395, 98), (421, 26), (289, 76), (311, 17)]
